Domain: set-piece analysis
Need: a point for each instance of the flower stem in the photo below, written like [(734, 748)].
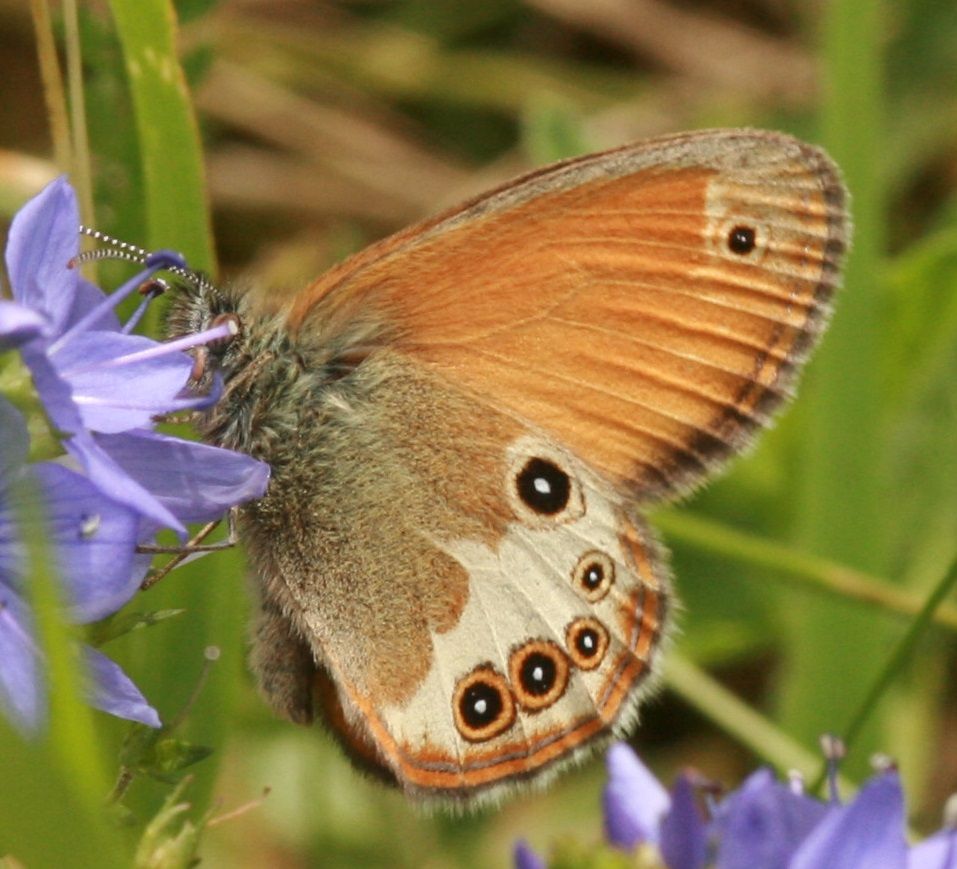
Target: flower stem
[(798, 568), (901, 654), (747, 726)]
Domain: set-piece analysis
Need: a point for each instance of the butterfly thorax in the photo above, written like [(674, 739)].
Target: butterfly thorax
[(274, 382)]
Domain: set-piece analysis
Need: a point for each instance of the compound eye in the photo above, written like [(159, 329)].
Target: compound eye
[(230, 325)]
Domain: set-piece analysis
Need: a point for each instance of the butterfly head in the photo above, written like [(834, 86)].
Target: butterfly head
[(198, 305)]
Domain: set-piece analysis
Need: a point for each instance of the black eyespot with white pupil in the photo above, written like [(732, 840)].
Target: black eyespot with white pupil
[(593, 575), (483, 706), (587, 641), (538, 670), (538, 674), (742, 240), (543, 486), (480, 705)]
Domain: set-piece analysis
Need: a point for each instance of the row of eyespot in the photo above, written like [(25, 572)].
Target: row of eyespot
[(484, 702), (546, 489)]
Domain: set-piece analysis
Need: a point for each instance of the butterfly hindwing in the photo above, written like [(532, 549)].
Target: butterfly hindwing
[(477, 626)]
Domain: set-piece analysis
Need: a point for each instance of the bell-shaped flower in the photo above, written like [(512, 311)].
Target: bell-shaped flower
[(101, 387), (764, 824), (91, 540), (639, 811)]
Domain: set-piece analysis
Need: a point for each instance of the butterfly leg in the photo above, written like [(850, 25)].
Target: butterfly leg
[(193, 548)]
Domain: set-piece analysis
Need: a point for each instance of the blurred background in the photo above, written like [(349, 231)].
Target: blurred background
[(326, 125)]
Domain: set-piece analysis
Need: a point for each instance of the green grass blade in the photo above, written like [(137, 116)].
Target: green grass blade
[(746, 725), (170, 659), (799, 569), (843, 514), (902, 652), (67, 756), (170, 148)]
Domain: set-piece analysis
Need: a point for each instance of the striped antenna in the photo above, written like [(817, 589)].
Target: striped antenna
[(115, 249)]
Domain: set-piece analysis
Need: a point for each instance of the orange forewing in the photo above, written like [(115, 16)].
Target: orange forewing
[(599, 301)]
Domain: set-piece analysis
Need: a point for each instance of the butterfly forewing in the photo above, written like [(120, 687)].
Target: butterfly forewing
[(647, 306)]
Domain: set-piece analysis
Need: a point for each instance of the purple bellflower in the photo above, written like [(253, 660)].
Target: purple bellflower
[(526, 858), (101, 388), (92, 541), (639, 811), (764, 824), (940, 850)]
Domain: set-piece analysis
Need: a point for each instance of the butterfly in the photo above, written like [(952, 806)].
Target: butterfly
[(466, 421)]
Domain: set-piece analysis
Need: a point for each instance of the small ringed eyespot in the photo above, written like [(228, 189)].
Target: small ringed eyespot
[(539, 674), (482, 705), (593, 575), (543, 486), (742, 240), (586, 639)]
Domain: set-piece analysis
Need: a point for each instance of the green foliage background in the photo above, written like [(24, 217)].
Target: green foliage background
[(300, 131)]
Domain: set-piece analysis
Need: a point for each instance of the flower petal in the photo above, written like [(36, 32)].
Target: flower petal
[(867, 832), (18, 324), (114, 692), (44, 236), (684, 836), (196, 482), (110, 478), (114, 394), (94, 539), (525, 857), (54, 391), (936, 852), (634, 801), (89, 296), (763, 823), (21, 679)]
